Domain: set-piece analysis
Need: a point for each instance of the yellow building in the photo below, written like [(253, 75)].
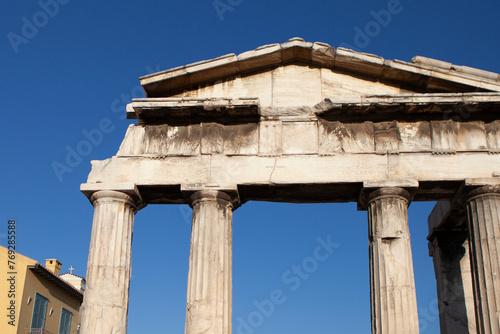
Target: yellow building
[(35, 299)]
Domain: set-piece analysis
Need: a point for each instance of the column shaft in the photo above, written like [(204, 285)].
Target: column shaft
[(105, 305), (483, 211), (450, 253), (393, 298), (209, 295)]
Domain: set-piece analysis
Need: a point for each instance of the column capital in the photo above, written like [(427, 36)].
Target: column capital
[(371, 191), (197, 193), (489, 190), (388, 192), (126, 193), (471, 188), (115, 196)]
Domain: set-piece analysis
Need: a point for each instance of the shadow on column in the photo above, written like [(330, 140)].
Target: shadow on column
[(449, 247)]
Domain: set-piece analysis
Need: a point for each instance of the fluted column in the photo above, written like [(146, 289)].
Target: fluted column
[(105, 305), (209, 295), (483, 213), (392, 285)]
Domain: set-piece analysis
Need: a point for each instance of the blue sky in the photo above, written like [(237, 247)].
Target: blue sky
[(67, 67)]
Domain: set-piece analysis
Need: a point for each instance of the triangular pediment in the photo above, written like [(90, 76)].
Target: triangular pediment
[(298, 73), (299, 78), (293, 85)]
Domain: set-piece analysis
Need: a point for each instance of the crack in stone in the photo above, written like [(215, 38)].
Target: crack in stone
[(274, 168)]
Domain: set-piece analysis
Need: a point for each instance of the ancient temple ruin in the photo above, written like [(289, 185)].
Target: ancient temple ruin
[(307, 123)]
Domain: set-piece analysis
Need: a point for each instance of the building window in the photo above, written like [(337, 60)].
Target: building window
[(39, 312), (65, 324)]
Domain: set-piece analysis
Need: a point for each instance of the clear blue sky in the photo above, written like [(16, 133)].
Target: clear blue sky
[(63, 73)]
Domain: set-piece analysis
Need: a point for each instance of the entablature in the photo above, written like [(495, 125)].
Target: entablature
[(309, 136)]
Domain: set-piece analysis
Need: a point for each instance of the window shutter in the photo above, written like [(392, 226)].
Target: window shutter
[(65, 325), (39, 311)]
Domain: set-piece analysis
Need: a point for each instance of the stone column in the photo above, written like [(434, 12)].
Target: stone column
[(449, 248), (209, 295), (392, 285), (483, 213), (105, 304), (450, 253)]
